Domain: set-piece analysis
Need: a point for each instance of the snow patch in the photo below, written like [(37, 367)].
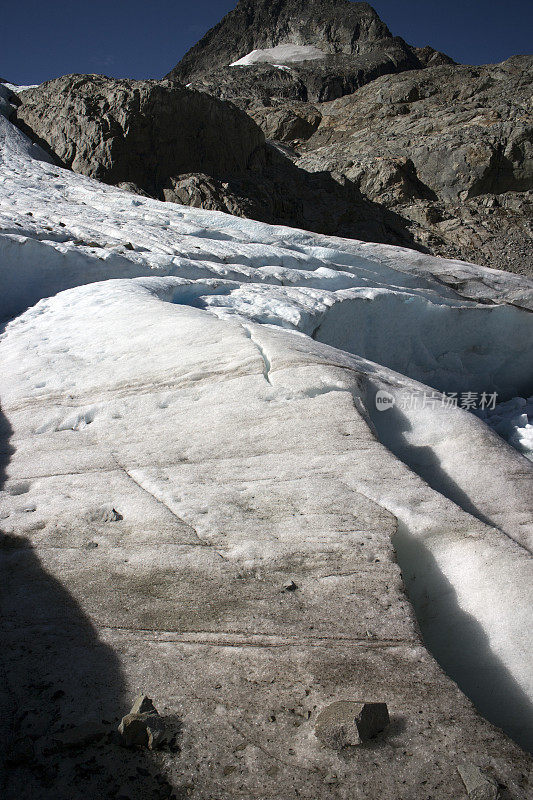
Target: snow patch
[(16, 88), (513, 421), (281, 56)]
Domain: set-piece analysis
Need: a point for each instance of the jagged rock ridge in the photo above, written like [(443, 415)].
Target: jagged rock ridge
[(335, 26)]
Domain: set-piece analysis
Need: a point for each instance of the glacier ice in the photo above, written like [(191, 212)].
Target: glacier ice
[(219, 377)]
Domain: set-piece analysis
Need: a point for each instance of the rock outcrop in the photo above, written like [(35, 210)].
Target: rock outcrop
[(163, 140), (449, 148), (282, 193), (140, 132)]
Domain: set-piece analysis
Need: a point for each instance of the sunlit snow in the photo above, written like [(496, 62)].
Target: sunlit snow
[(281, 56)]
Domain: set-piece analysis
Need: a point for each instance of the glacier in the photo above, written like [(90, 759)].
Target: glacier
[(214, 381)]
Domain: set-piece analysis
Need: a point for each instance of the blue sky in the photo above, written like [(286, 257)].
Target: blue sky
[(41, 40)]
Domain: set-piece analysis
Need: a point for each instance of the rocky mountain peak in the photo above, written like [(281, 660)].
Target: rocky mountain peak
[(333, 26)]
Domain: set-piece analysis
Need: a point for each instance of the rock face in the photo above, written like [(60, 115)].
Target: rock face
[(141, 132), (163, 140), (449, 148), (333, 26), (317, 80), (288, 121), (478, 114)]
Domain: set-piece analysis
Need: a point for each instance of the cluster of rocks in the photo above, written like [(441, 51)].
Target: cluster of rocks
[(345, 723)]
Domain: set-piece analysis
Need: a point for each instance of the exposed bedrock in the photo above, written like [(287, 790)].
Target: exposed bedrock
[(137, 131), (448, 148), (161, 139), (438, 159)]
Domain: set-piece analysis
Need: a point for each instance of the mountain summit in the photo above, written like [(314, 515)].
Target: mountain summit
[(333, 26)]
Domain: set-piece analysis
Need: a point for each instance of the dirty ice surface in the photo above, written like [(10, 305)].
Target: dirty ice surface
[(99, 285)]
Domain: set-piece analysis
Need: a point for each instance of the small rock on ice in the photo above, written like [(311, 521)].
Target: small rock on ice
[(347, 723)]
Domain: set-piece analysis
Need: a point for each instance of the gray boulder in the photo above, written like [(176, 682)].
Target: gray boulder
[(478, 785), (347, 723), (139, 132), (143, 727)]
